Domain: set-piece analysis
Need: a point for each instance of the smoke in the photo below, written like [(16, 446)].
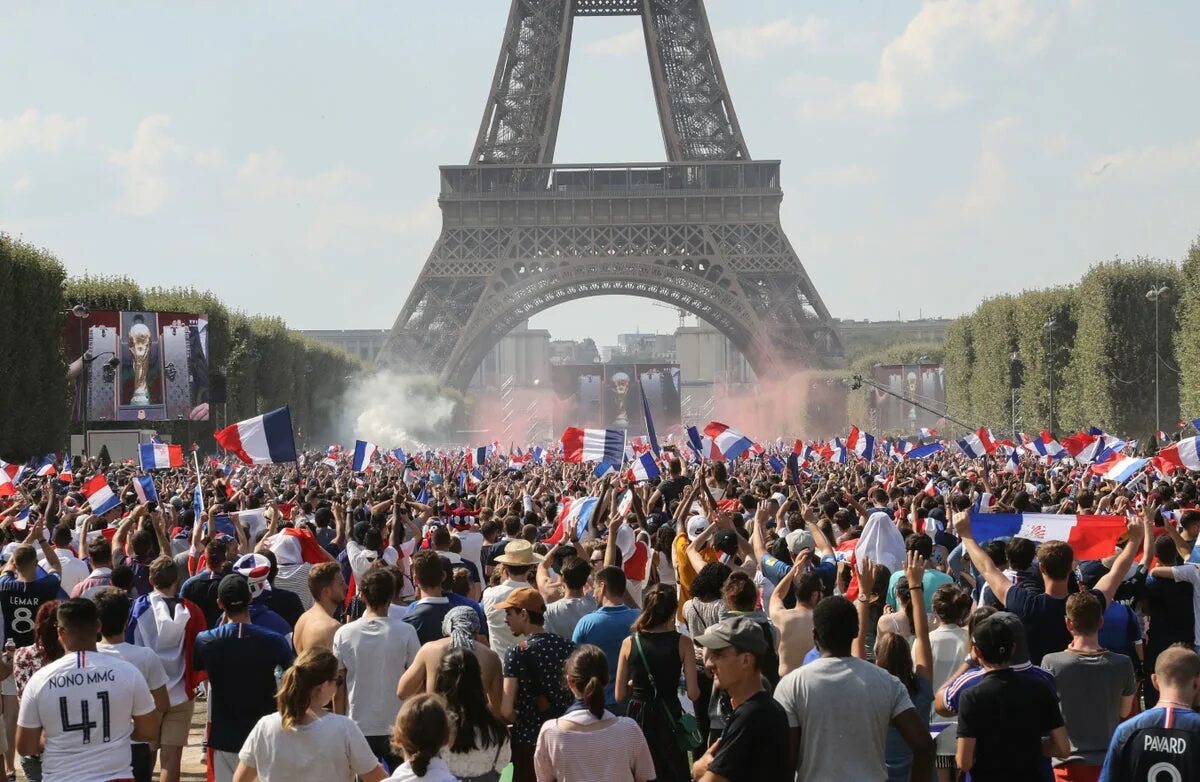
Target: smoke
[(388, 408)]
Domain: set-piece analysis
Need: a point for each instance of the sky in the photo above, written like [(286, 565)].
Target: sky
[(284, 154)]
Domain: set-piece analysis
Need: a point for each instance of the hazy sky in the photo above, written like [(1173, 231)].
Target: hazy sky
[(284, 154)]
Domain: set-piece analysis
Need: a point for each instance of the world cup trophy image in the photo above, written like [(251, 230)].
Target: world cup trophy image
[(620, 388), (139, 346), (141, 369)]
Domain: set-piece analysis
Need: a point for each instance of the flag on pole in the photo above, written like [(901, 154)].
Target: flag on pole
[(977, 443), (43, 466), (160, 456), (649, 420), (143, 487), (1119, 468), (364, 452), (1184, 455), (861, 443), (397, 455), (603, 468), (264, 439), (732, 444), (592, 445), (1046, 446), (1090, 537), (100, 497), (197, 501)]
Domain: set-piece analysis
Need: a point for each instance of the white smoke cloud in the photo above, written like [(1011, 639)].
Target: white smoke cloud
[(390, 409)]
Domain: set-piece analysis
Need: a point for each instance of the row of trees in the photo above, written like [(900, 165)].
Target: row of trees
[(1119, 350), (266, 365)]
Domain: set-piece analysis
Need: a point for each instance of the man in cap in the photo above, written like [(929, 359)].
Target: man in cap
[(240, 658), (517, 561), (754, 743), (1004, 719), (256, 569), (535, 689)]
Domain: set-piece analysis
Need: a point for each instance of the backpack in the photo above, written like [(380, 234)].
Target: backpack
[(771, 658)]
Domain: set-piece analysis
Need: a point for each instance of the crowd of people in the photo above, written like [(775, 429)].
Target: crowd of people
[(725, 621)]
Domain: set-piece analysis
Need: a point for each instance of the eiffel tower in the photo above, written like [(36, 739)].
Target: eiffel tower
[(521, 234)]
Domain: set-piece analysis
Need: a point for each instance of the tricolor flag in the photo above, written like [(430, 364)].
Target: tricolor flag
[(776, 465), (977, 444), (730, 443), (1119, 468), (477, 457), (593, 445), (1184, 454), (66, 474), (1090, 537), (702, 446), (159, 456), (928, 432), (264, 439), (646, 413), (143, 487), (1162, 436), (1046, 446), (197, 501), (603, 468), (643, 468), (834, 451), (575, 511), (364, 452), (925, 451), (100, 497), (861, 443), (43, 466), (7, 487), (1012, 462), (397, 455)]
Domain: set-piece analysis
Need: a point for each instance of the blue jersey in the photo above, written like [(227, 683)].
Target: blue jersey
[(1159, 744)]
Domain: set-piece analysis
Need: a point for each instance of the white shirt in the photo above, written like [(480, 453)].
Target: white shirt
[(139, 657), (331, 749), (1190, 573), (361, 559), (85, 703), (73, 569), (472, 547), (375, 653), (438, 771), (500, 636)]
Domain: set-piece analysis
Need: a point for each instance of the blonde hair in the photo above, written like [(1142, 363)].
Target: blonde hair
[(312, 669)]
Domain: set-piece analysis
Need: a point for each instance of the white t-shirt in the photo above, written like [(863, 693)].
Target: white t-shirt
[(472, 547), (1190, 573), (361, 558), (375, 653), (500, 636), (85, 703), (438, 771), (331, 749), (73, 570), (139, 657)]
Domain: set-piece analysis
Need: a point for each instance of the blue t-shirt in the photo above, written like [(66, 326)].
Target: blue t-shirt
[(1045, 619), (240, 661), (1121, 630), (426, 617), (606, 627), (262, 616), (1160, 744)]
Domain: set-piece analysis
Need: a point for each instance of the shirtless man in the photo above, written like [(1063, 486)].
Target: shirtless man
[(795, 625), (460, 625), (316, 626)]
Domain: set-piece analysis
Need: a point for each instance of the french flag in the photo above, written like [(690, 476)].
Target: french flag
[(364, 452), (575, 511), (160, 456), (43, 466), (928, 432), (264, 439), (65, 474), (477, 457), (1046, 446), (703, 446), (593, 445), (643, 468), (7, 487), (1119, 468), (649, 421), (603, 468), (99, 496), (143, 487), (1090, 537), (1183, 455), (977, 444), (925, 451), (834, 452), (1012, 462), (861, 443), (730, 443), (397, 455)]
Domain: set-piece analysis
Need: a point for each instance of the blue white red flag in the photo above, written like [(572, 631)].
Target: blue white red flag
[(160, 456), (100, 497), (928, 432), (861, 443), (776, 465), (1046, 446), (1090, 537), (143, 487), (364, 452), (1012, 462), (1119, 468), (1184, 454), (643, 468), (649, 421), (397, 455), (43, 466), (977, 444), (730, 443), (593, 445), (264, 439), (925, 451), (603, 468)]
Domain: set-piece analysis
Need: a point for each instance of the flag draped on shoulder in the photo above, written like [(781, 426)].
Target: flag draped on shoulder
[(264, 439), (160, 456), (593, 445)]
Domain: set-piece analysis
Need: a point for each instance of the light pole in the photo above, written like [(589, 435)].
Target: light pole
[(81, 313), (1049, 327), (1154, 294)]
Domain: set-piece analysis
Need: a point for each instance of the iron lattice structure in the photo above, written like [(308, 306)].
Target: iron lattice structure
[(520, 234)]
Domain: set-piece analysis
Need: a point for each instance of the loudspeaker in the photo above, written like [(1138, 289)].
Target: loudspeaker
[(216, 389)]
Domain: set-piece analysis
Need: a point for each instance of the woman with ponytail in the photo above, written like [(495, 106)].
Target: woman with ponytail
[(588, 743), (480, 749), (648, 670), (423, 728), (302, 742)]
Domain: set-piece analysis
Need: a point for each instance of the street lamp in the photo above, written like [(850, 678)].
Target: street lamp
[(1049, 328), (85, 374), (1154, 294)]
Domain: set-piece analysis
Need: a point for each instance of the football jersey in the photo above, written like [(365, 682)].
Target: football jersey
[(85, 703), (20, 601), (1159, 745)]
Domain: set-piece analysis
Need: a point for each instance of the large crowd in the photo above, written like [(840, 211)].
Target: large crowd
[(532, 618)]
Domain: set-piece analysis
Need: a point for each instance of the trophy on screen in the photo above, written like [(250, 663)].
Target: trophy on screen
[(620, 387), (139, 347)]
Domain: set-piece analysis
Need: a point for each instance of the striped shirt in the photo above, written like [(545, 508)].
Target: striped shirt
[(974, 676), (294, 578)]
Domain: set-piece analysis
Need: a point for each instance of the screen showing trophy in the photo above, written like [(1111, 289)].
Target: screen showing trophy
[(138, 366), (610, 395)]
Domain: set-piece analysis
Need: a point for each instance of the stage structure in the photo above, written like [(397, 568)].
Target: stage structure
[(521, 234)]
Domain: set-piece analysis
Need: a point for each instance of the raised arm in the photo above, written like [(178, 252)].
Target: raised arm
[(922, 649), (1108, 584), (998, 582)]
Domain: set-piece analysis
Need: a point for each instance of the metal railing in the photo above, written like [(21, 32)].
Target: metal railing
[(501, 181)]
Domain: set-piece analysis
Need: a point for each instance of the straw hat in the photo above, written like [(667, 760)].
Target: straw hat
[(518, 553)]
